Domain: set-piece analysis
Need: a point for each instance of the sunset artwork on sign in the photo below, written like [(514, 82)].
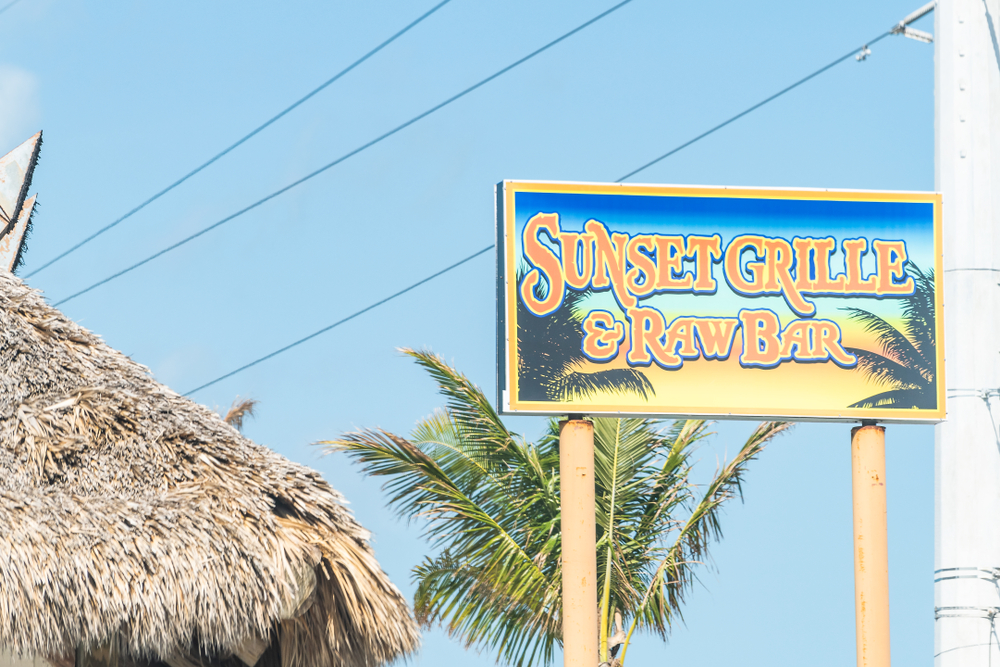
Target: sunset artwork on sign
[(719, 302)]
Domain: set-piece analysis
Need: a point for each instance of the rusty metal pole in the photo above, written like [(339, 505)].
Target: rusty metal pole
[(871, 545), (579, 543)]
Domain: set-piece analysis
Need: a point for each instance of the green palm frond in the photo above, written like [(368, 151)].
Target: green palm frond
[(414, 479), (468, 467), (477, 431), (624, 453), (668, 490), (478, 424), (486, 612), (674, 574), (507, 553), (491, 504)]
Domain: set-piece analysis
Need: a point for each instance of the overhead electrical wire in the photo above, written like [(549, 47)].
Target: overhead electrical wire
[(350, 154), (8, 6), (491, 246), (346, 319), (753, 108), (245, 138)]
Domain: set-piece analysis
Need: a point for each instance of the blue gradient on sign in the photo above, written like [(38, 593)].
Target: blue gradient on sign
[(734, 216)]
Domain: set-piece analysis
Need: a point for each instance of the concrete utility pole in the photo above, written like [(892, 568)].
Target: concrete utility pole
[(967, 451)]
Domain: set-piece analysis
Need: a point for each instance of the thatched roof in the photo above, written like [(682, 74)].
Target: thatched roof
[(136, 518)]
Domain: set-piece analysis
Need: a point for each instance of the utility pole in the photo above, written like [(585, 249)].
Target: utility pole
[(967, 449)]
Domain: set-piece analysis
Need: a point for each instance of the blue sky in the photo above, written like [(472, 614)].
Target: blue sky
[(131, 96)]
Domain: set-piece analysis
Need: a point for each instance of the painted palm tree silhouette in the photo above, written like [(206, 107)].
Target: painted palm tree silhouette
[(907, 358), (551, 348)]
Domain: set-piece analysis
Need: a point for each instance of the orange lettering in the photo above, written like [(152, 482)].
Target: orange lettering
[(890, 256), (854, 250), (609, 262), (642, 266), (778, 257), (734, 260), (545, 263), (680, 337), (799, 341), (602, 335), (814, 340), (577, 258), (704, 250), (761, 345), (829, 334), (646, 336), (716, 335), (821, 250), (670, 273)]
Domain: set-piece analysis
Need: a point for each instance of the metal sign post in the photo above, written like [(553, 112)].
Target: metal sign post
[(579, 546), (871, 545)]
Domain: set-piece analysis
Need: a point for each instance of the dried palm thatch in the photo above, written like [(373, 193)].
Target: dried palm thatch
[(135, 519), (239, 411)]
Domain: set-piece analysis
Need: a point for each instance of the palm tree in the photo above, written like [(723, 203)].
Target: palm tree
[(550, 348), (907, 359), (491, 502)]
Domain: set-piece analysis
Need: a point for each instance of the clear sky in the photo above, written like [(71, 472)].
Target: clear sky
[(131, 96)]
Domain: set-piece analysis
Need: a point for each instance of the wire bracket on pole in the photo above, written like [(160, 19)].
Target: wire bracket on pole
[(903, 27), (906, 31), (865, 52), (988, 396), (986, 613), (918, 35), (982, 573)]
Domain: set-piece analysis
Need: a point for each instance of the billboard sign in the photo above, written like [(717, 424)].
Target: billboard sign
[(719, 302)]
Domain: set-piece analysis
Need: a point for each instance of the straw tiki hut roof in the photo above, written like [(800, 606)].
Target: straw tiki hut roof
[(134, 521)]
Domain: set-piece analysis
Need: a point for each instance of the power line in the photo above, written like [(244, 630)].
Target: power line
[(350, 154), (8, 6), (346, 319), (243, 140), (753, 108), (491, 246)]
